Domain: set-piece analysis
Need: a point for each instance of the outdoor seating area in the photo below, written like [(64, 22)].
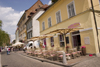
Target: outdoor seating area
[(55, 55)]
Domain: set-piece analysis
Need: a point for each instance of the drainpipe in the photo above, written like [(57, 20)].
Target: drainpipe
[(95, 24)]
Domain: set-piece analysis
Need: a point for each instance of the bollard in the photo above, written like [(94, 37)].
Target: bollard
[(64, 57)]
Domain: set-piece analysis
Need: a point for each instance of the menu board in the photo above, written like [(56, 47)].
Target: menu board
[(87, 40)]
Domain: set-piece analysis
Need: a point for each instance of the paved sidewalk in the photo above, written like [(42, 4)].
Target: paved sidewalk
[(94, 62), (71, 62)]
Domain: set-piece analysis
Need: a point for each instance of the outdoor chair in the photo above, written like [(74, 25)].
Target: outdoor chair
[(68, 56), (29, 53), (59, 56), (78, 52), (44, 53), (35, 53), (53, 54), (73, 53), (39, 53)]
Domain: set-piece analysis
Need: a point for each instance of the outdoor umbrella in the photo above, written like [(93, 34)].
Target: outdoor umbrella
[(64, 31)]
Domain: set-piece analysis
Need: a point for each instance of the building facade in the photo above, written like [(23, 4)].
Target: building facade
[(17, 35), (72, 14), (21, 24), (32, 25)]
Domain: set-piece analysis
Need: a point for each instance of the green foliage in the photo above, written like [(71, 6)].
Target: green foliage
[(4, 37), (54, 1), (0, 23)]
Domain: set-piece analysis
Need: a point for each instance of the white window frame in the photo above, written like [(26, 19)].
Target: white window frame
[(61, 40), (60, 16), (74, 8), (48, 22), (52, 42), (43, 26)]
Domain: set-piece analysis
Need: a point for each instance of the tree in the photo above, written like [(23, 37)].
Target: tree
[(4, 37), (54, 1), (0, 23)]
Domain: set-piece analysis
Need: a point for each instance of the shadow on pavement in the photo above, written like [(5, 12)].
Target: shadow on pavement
[(4, 65)]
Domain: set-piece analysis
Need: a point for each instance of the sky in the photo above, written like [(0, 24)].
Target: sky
[(12, 10)]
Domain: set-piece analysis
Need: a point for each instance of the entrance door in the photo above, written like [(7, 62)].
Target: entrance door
[(76, 40)]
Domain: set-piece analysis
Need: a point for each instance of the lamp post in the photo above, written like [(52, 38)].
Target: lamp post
[(95, 24)]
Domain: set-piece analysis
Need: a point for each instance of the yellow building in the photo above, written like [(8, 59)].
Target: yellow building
[(70, 14)]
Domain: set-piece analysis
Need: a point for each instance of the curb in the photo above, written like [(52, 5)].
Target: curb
[(55, 62), (49, 61)]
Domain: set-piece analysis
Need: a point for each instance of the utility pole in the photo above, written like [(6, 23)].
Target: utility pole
[(95, 23)]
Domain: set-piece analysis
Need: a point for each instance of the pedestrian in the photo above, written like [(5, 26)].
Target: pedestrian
[(0, 49), (7, 50)]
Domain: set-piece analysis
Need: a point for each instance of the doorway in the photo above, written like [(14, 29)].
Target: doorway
[(76, 40)]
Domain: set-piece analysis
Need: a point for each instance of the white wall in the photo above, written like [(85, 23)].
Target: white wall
[(35, 23)]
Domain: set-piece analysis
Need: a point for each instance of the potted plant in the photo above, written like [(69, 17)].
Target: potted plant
[(67, 47), (83, 48)]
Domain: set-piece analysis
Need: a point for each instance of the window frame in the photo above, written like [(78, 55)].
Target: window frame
[(60, 16), (43, 26), (48, 22), (52, 42), (61, 41), (73, 7)]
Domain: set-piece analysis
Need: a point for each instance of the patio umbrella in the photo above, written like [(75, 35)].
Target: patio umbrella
[(64, 31), (18, 44), (41, 37)]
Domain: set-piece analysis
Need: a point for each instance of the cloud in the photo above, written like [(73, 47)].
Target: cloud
[(50, 2), (10, 18)]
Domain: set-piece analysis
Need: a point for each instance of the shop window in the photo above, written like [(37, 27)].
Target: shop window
[(52, 41), (58, 17), (49, 22), (71, 9), (61, 39), (43, 26)]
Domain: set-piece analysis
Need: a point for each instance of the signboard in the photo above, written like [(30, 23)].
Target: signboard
[(87, 40), (74, 25)]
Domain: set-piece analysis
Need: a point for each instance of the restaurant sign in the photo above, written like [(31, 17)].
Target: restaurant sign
[(74, 25)]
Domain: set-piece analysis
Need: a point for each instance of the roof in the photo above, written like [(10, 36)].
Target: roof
[(34, 12), (30, 9), (52, 5)]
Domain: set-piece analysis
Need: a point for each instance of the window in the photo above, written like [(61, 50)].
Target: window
[(58, 16), (49, 22), (43, 26), (29, 35), (52, 41), (67, 40), (71, 9), (61, 39), (99, 1), (29, 25)]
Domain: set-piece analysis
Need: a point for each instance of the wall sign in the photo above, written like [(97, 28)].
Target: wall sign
[(74, 25), (87, 40)]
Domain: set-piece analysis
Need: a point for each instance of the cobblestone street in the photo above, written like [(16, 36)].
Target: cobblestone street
[(16, 60)]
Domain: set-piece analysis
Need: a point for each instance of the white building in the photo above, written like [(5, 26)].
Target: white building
[(32, 24)]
